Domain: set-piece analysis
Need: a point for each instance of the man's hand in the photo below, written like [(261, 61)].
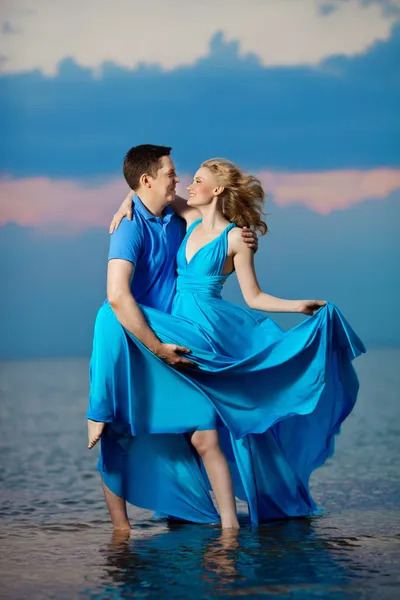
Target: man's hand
[(250, 238), (169, 353), (310, 307), (125, 210)]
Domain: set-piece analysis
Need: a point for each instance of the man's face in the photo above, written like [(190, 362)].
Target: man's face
[(164, 184)]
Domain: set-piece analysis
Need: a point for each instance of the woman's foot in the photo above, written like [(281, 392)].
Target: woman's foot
[(95, 429)]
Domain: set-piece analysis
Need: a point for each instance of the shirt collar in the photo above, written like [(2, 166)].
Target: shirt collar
[(146, 214)]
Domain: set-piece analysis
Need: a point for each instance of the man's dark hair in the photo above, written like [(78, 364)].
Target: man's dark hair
[(142, 159)]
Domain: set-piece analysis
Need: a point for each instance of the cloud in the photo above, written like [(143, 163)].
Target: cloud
[(334, 190), (8, 29), (176, 33), (67, 206), (63, 204), (342, 114), (389, 7), (328, 8)]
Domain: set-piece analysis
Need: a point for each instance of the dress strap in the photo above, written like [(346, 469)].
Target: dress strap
[(192, 226), (224, 245), (231, 226)]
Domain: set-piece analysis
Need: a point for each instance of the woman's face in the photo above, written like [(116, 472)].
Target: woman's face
[(203, 188)]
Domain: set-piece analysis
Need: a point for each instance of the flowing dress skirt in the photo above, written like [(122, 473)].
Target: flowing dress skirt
[(277, 398)]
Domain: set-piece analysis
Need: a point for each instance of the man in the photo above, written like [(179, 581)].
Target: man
[(141, 270)]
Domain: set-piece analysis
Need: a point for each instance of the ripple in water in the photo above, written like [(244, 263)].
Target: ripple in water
[(57, 536)]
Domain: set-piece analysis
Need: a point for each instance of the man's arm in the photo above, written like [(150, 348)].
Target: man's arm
[(130, 316), (180, 206)]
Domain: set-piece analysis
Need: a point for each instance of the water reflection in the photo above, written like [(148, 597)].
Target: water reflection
[(278, 558), (320, 557), (221, 557), (55, 526)]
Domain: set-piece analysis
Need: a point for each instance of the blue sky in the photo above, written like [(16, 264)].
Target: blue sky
[(342, 113), (305, 94)]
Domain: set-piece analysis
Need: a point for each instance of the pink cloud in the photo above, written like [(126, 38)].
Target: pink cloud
[(71, 205), (331, 190), (67, 204)]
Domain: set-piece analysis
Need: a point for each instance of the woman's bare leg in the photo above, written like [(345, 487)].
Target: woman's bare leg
[(207, 445), (117, 509)]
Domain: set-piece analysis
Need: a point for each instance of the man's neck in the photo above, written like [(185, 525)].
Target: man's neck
[(153, 207)]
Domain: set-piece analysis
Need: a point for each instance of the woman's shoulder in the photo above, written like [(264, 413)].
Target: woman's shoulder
[(235, 238)]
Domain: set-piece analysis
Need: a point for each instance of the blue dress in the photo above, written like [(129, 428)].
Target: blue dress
[(277, 398)]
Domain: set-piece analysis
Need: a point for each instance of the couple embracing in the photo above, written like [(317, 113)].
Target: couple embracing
[(190, 392)]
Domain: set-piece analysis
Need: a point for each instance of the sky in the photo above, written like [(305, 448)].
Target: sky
[(304, 93)]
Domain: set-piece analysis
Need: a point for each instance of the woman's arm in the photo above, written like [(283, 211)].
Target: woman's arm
[(183, 210), (179, 206), (125, 210), (243, 260)]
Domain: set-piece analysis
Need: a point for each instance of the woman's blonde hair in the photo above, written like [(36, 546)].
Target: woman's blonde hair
[(243, 196)]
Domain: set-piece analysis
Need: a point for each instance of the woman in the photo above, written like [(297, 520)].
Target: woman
[(277, 398)]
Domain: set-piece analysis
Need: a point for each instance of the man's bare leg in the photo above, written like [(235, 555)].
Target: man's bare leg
[(216, 465), (95, 429), (117, 509)]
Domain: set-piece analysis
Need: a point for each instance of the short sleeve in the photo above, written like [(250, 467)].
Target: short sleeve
[(127, 241)]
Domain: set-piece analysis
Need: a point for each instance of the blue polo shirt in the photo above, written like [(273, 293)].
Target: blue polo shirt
[(151, 244)]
